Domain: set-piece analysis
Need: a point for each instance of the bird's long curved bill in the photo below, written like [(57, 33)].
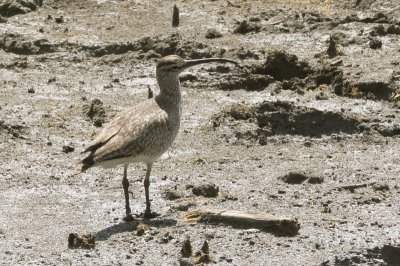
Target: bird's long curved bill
[(193, 62)]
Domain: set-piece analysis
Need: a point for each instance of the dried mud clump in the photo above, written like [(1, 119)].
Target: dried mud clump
[(170, 194), (95, 112), (299, 177), (268, 119), (156, 47), (286, 118), (15, 43), (256, 76), (294, 178), (10, 8), (375, 43), (213, 34), (281, 118), (17, 131), (388, 255), (206, 190), (77, 241), (251, 82), (373, 90), (282, 66), (189, 257), (244, 26)]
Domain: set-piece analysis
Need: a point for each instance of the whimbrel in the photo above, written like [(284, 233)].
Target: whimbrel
[(144, 132)]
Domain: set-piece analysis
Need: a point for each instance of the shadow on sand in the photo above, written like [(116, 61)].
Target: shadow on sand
[(106, 233)]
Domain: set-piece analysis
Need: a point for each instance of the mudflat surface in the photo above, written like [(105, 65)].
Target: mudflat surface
[(307, 127)]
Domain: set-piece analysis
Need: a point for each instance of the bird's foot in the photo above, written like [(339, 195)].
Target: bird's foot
[(128, 218)]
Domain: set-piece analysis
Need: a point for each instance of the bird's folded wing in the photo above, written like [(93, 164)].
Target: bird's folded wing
[(125, 135)]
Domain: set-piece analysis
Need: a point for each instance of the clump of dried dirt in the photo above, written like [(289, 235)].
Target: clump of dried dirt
[(286, 118), (282, 66), (255, 76), (189, 257), (244, 26), (388, 255), (206, 190), (10, 8), (213, 34), (294, 178), (300, 177), (17, 131), (95, 112), (81, 241)]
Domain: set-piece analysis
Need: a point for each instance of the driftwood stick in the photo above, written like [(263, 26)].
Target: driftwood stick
[(264, 221), (353, 187)]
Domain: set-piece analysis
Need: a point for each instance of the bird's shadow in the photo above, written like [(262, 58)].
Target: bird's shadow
[(106, 233)]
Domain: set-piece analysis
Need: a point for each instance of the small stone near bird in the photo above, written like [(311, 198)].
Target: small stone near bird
[(206, 190), (81, 241), (67, 149), (187, 249), (213, 34), (95, 112)]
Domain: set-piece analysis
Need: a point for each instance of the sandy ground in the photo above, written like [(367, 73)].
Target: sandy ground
[(307, 127)]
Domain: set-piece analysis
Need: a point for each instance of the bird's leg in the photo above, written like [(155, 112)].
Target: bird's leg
[(147, 213), (125, 184)]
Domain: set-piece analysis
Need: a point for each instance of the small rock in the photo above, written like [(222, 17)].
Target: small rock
[(150, 93), (333, 49), (95, 112), (321, 96), (184, 206), (391, 254), (375, 43), (166, 238), (380, 187), (213, 34), (84, 241), (187, 249), (206, 190), (59, 19), (185, 262), (244, 27), (316, 180), (141, 229), (203, 256), (67, 149), (31, 90), (294, 178), (170, 194)]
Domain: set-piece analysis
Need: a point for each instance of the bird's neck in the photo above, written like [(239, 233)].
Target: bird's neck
[(169, 90)]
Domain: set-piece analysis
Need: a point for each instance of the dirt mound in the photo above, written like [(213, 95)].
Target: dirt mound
[(257, 75), (282, 66), (286, 118), (95, 112), (10, 8), (373, 90), (18, 44), (388, 254), (16, 131), (299, 177)]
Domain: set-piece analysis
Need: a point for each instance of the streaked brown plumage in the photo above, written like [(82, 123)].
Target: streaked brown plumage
[(144, 132)]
